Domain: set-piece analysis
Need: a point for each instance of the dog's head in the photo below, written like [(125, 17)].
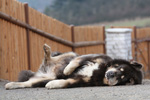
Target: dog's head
[(121, 72)]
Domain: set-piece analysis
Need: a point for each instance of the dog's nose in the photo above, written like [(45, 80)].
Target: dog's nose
[(110, 74)]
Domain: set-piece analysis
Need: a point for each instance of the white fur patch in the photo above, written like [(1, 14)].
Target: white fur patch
[(112, 81), (14, 85), (26, 84), (56, 84), (62, 83), (49, 74), (88, 69)]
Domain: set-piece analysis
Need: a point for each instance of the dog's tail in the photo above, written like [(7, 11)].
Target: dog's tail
[(25, 75)]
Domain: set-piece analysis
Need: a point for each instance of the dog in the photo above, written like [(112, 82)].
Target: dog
[(66, 70)]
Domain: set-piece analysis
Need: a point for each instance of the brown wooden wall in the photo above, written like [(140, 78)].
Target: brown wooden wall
[(89, 33), (22, 48), (13, 52), (143, 49)]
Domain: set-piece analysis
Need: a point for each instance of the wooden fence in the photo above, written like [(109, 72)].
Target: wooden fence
[(23, 31)]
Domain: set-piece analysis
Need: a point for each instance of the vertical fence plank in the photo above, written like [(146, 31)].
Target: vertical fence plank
[(143, 49), (148, 53), (27, 34), (73, 36), (104, 38), (135, 43)]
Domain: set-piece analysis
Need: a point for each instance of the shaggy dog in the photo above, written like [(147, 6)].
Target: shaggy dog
[(70, 70)]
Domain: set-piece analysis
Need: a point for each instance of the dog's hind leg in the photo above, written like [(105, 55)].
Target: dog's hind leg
[(27, 84), (47, 54), (62, 83)]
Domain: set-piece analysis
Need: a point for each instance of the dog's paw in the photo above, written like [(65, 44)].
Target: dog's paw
[(11, 85), (68, 71), (55, 84), (72, 66), (47, 49)]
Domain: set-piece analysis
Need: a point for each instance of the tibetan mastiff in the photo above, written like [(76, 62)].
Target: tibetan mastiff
[(64, 70)]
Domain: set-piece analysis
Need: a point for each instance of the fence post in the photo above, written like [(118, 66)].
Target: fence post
[(148, 51), (73, 37), (135, 44), (104, 38), (27, 33)]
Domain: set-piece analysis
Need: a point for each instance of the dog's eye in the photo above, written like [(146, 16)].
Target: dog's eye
[(116, 65), (122, 76), (121, 69)]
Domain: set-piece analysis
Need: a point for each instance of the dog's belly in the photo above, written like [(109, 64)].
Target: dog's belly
[(88, 70), (49, 73)]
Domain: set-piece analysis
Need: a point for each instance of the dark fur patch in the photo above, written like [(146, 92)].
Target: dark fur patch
[(25, 75), (118, 61), (98, 75), (93, 57), (40, 84), (53, 54)]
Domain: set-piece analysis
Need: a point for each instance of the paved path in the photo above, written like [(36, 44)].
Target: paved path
[(136, 92)]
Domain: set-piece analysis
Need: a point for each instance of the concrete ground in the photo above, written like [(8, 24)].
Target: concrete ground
[(136, 92)]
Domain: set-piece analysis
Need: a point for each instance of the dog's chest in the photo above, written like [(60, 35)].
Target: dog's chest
[(88, 70)]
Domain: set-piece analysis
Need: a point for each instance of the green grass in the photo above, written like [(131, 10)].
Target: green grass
[(139, 22)]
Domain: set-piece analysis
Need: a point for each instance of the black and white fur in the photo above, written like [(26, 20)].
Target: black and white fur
[(70, 70)]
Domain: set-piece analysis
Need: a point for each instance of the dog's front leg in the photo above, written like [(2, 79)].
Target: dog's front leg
[(72, 66), (62, 83)]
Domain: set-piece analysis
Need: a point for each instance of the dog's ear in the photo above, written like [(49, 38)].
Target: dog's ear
[(136, 65)]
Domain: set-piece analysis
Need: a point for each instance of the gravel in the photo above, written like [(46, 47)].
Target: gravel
[(134, 92)]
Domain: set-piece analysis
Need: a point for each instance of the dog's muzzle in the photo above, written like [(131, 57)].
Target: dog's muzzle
[(111, 76)]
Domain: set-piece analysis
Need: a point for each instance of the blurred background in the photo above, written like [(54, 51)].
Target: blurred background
[(96, 12)]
